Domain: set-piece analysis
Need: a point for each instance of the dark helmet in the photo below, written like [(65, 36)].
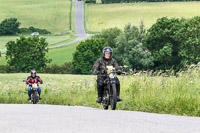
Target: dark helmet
[(33, 72), (107, 50)]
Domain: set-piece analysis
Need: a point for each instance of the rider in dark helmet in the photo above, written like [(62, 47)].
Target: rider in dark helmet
[(31, 80), (100, 65)]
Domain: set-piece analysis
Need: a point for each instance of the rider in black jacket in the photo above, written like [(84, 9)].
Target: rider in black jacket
[(100, 65)]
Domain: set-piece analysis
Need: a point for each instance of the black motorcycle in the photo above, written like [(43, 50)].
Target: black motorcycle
[(110, 91), (34, 92)]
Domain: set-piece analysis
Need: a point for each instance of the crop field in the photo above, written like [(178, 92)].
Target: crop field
[(51, 15), (103, 16), (140, 92)]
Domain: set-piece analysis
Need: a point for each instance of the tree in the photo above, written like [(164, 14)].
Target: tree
[(161, 41), (110, 36), (87, 52), (130, 50), (27, 53), (9, 26), (188, 37)]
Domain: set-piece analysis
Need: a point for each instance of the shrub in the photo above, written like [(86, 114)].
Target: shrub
[(110, 36), (130, 50), (9, 26), (29, 53), (66, 68), (86, 54), (33, 29)]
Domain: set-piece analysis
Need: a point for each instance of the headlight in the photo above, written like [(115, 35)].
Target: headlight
[(112, 75)]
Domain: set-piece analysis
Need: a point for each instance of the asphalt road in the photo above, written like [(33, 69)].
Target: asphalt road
[(79, 25), (68, 119)]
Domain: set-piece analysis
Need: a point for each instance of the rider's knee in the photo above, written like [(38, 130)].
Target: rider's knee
[(100, 82)]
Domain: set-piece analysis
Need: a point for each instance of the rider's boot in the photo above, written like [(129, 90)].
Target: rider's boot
[(100, 94), (40, 97), (29, 97), (98, 99), (119, 99), (118, 93)]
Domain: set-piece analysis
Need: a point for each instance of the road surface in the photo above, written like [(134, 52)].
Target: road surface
[(79, 25), (29, 118)]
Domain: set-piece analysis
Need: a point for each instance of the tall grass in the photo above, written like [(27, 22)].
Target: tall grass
[(178, 95), (103, 16)]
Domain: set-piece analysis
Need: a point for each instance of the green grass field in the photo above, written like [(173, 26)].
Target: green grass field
[(51, 39), (3, 61), (63, 54), (51, 15), (103, 16), (58, 55), (140, 92)]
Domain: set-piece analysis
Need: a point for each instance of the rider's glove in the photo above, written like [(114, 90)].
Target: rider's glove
[(41, 82), (119, 72), (103, 71), (94, 73)]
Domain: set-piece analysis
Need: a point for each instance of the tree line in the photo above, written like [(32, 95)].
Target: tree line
[(169, 44)]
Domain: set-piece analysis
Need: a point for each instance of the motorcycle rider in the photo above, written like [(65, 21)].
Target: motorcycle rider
[(100, 65), (31, 80)]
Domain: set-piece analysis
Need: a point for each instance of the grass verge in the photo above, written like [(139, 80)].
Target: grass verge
[(140, 92)]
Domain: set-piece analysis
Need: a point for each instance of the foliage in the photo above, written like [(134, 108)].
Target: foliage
[(9, 26), (162, 43), (130, 50), (7, 69), (27, 53), (87, 52), (33, 29), (66, 68), (110, 36), (90, 1), (174, 43), (189, 40)]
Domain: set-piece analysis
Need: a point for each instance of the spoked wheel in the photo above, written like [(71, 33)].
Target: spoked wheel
[(113, 97), (35, 97)]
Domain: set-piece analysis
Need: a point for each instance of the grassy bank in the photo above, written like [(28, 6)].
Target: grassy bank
[(103, 16), (140, 92)]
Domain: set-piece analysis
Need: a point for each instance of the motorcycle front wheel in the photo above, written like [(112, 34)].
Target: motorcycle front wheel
[(113, 97), (35, 98)]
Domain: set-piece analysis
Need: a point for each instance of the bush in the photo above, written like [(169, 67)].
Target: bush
[(9, 26), (7, 69), (66, 68), (162, 43), (110, 36), (90, 1), (174, 43), (29, 53), (130, 50), (33, 29), (87, 52)]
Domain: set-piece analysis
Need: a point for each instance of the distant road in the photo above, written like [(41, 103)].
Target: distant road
[(79, 25), (29, 118)]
